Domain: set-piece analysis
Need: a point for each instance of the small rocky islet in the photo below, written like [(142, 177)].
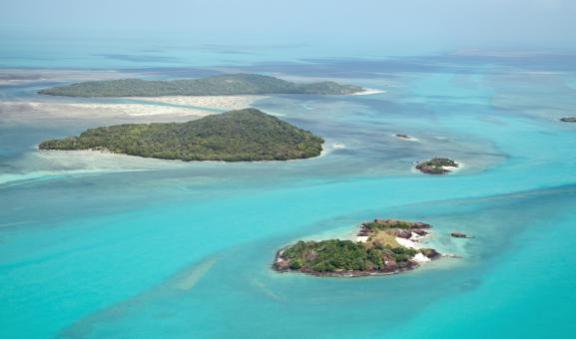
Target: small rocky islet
[(461, 235), (377, 251), (437, 166), (403, 136), (568, 119)]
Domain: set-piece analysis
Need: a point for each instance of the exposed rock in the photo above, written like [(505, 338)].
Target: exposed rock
[(364, 231), (420, 225), (402, 136), (281, 264), (400, 233), (420, 232), (430, 253), (458, 235), (391, 264), (568, 119)]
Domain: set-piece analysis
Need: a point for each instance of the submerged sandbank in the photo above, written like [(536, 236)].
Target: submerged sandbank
[(222, 102)]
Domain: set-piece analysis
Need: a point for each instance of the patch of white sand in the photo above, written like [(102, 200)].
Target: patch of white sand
[(223, 102), (112, 110), (458, 168), (370, 91), (406, 242), (420, 258), (329, 147)]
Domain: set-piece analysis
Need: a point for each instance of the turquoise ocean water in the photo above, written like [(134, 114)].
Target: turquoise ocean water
[(135, 248)]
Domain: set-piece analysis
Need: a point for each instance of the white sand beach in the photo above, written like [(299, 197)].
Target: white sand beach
[(454, 169), (421, 258), (406, 242), (370, 91)]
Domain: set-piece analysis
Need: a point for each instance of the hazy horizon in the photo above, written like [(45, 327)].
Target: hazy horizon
[(411, 27)]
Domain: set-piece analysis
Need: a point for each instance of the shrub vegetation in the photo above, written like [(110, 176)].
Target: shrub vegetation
[(243, 135)]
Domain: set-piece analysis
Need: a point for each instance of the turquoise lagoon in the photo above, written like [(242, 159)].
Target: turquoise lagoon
[(120, 247)]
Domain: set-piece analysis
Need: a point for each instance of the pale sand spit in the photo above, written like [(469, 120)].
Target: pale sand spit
[(370, 91), (220, 102), (197, 107), (406, 242)]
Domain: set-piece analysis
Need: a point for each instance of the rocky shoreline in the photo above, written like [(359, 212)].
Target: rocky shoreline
[(437, 166)]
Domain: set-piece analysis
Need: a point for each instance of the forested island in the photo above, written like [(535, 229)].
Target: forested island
[(377, 251), (242, 135), (568, 119), (437, 166), (231, 84)]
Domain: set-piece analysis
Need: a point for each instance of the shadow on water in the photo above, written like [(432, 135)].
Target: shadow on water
[(181, 283)]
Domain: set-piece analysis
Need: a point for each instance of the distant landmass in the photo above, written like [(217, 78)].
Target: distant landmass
[(242, 135), (568, 119), (232, 84)]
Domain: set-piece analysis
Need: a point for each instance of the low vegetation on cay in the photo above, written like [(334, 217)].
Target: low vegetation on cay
[(242, 135), (231, 84), (378, 254)]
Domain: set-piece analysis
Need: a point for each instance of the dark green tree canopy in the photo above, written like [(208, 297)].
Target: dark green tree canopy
[(242, 135)]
